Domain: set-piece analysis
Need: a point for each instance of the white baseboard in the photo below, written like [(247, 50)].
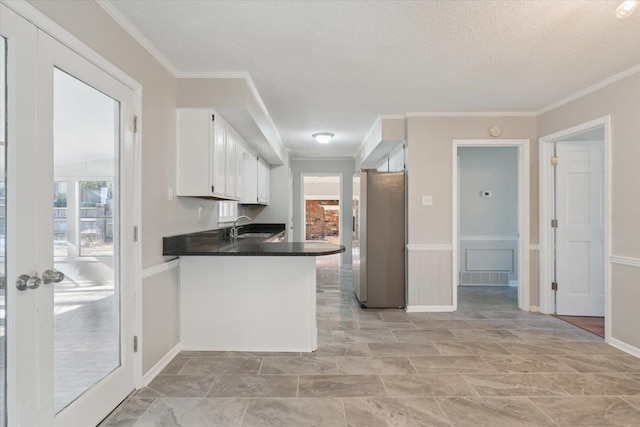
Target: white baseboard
[(627, 348), (534, 308), (513, 283), (428, 308), (158, 367)]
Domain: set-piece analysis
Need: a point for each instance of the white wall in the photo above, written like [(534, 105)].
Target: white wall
[(343, 167), (493, 169)]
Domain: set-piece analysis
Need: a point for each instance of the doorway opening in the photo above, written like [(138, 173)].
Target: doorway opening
[(321, 213), (574, 243), (488, 227), (490, 224)]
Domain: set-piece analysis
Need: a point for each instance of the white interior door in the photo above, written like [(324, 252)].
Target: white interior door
[(580, 233), (70, 204)]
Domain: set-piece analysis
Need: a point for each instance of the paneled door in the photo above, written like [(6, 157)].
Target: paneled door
[(580, 232), (69, 234)]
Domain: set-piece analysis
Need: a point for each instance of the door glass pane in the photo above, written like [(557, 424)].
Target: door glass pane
[(3, 151), (85, 216)]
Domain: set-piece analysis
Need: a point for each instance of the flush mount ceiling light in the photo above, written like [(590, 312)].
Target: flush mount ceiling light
[(626, 8), (323, 137)]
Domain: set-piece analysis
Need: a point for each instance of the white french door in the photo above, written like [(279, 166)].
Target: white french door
[(580, 234), (69, 232)]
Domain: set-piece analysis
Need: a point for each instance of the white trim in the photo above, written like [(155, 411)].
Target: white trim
[(131, 29), (535, 247), (43, 22), (392, 116), (419, 247), (159, 268), (160, 365), (619, 260), (523, 211), (428, 308), (488, 238), (601, 84), (621, 345), (546, 195), (471, 114)]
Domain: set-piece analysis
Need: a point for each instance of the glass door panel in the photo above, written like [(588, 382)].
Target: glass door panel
[(3, 223), (86, 138)]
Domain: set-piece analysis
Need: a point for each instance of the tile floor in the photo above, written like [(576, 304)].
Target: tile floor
[(487, 364)]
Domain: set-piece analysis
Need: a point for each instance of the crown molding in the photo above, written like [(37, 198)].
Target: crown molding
[(115, 14), (212, 75), (472, 114), (601, 84)]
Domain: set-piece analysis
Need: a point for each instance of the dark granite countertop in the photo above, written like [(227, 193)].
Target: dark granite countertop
[(218, 243)]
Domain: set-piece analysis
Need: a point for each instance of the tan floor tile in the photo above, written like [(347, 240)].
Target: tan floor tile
[(493, 411), (589, 411)]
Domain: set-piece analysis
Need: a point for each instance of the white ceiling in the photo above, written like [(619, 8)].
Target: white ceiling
[(335, 65)]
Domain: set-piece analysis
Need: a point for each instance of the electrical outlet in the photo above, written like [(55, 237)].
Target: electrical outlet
[(170, 194), (199, 212), (427, 200)]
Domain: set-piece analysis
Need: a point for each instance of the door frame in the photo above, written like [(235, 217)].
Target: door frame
[(46, 24), (545, 148), (523, 213)]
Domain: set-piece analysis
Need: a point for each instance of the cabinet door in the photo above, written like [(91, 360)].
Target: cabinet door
[(230, 163), (239, 169), (249, 178), (218, 161), (194, 155), (263, 182)]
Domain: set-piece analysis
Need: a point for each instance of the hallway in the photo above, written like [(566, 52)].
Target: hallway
[(485, 365)]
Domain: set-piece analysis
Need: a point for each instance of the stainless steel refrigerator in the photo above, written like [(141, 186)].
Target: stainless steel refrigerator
[(379, 239)]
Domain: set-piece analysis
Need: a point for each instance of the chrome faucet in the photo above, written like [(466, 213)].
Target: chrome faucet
[(234, 228)]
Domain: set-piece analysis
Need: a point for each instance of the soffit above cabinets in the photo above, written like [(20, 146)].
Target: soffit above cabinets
[(234, 99)]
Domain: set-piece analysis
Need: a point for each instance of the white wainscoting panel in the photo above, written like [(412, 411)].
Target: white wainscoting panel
[(429, 279)]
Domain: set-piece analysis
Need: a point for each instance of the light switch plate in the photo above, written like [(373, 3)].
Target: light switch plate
[(427, 200)]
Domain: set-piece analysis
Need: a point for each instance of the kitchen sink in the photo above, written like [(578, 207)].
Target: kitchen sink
[(254, 235)]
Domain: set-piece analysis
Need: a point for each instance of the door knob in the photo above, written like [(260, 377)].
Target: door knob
[(55, 276), (25, 281)]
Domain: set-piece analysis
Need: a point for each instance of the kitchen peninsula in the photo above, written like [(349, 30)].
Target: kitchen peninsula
[(254, 293)]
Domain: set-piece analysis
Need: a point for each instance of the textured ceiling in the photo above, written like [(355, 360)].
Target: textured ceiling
[(335, 65)]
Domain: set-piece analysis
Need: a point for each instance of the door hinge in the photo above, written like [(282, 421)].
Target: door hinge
[(554, 223), (135, 344), (554, 161), (554, 286), (135, 233), (213, 189), (213, 117), (135, 124)]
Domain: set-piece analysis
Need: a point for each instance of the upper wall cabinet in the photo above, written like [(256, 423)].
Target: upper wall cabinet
[(208, 156), (255, 180)]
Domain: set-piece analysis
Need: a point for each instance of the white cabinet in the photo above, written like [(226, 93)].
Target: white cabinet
[(255, 180), (207, 156), (263, 182)]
